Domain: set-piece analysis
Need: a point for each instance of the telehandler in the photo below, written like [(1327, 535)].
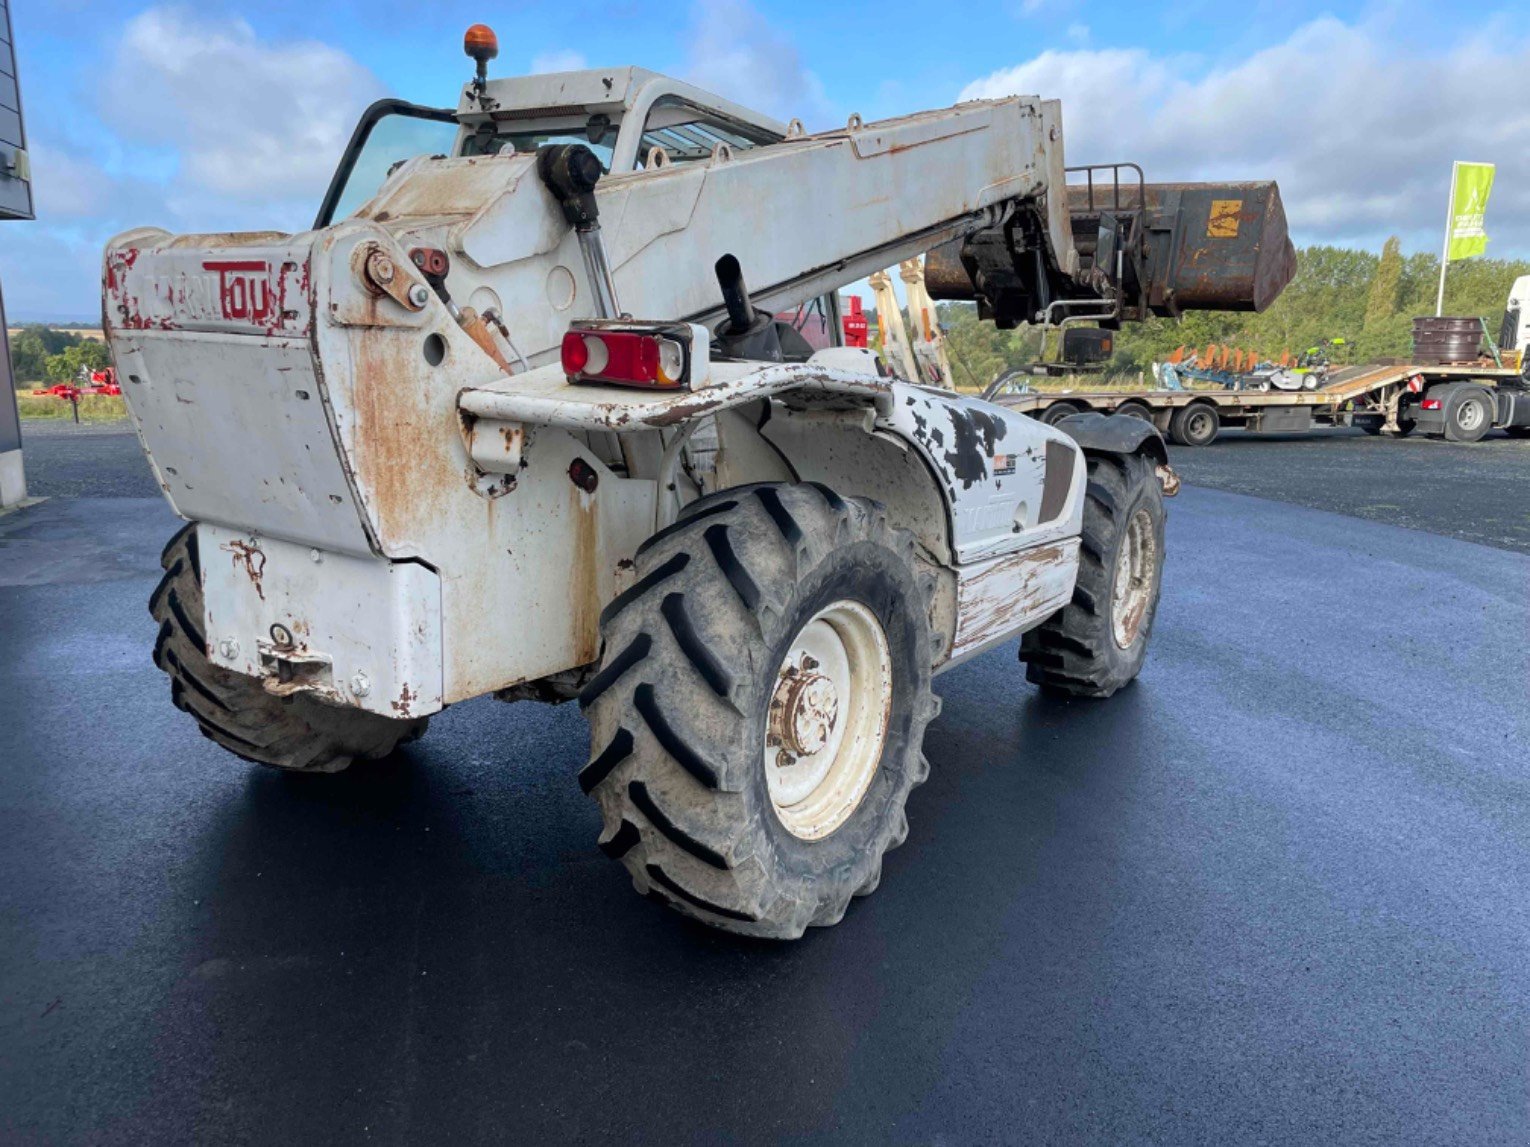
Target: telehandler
[(515, 418)]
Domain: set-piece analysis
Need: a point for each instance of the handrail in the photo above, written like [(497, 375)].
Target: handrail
[(1115, 177)]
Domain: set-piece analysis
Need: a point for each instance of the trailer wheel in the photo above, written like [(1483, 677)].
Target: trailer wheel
[(1055, 413), (756, 723), (295, 733), (1468, 414), (1195, 425), (1135, 410), (1096, 644)]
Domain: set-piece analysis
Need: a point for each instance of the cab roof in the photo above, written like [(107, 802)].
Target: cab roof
[(594, 90)]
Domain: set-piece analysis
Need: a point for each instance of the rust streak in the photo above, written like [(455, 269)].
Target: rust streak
[(584, 581), (249, 555)]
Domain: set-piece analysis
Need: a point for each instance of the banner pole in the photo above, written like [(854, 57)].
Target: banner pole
[(1450, 216)]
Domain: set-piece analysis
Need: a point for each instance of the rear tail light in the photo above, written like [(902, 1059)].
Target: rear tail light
[(1430, 404), (654, 356)]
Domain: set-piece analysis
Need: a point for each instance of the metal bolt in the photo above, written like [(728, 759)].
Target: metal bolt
[(361, 684), (229, 648), (419, 294), (315, 556), (380, 268)]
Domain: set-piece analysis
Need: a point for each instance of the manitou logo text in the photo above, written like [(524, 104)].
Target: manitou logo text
[(175, 290), (244, 290)]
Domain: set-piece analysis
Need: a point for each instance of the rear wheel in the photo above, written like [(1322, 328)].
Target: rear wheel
[(1135, 410), (1055, 413), (295, 733), (1468, 414), (1195, 425), (756, 723), (1097, 643)]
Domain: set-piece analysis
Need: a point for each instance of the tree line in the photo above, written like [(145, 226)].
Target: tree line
[(45, 354)]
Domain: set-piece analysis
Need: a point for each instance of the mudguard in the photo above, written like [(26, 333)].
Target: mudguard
[(1115, 434)]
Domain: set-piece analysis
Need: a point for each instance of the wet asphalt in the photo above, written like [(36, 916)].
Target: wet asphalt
[(1272, 893)]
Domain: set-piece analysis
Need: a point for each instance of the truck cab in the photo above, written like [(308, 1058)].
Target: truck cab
[(1514, 334)]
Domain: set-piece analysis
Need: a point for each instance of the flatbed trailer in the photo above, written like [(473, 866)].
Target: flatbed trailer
[(1460, 402)]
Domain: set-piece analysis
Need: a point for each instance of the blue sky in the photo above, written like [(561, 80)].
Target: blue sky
[(224, 116)]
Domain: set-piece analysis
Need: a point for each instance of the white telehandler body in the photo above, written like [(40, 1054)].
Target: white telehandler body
[(515, 425)]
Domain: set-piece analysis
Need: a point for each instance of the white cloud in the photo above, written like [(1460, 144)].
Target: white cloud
[(737, 53), (560, 61), (252, 120), (1359, 129), (68, 186)]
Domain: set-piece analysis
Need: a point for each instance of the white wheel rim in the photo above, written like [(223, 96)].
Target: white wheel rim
[(827, 721), (1135, 568), (1471, 415)]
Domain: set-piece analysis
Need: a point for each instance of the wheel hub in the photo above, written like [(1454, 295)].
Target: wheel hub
[(1136, 566), (827, 719), (803, 710)]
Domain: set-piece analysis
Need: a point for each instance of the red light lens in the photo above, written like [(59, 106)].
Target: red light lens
[(634, 358), (576, 356), (1430, 404)]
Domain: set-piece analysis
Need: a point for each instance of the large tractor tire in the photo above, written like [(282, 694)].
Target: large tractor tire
[(1097, 643), (756, 722), (294, 733)]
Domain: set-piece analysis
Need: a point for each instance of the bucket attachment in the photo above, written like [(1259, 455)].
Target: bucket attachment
[(1143, 248)]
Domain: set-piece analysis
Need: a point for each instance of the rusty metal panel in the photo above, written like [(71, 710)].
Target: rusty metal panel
[(360, 632), (1202, 246), (1210, 246)]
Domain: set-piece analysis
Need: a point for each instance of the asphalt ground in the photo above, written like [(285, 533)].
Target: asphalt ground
[(1273, 892), (1479, 491)]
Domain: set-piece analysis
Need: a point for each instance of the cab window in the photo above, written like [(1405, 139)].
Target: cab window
[(597, 132), (390, 132), (688, 133)]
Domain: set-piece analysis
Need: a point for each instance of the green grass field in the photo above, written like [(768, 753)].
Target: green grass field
[(93, 408)]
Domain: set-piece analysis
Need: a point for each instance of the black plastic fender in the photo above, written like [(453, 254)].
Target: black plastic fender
[(1115, 434)]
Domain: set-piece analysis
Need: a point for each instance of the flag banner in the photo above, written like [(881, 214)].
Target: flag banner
[(1468, 207)]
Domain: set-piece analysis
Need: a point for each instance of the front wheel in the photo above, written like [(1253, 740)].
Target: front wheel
[(756, 723), (1097, 643)]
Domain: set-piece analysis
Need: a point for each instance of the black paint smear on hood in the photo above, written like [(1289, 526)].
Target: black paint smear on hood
[(977, 432)]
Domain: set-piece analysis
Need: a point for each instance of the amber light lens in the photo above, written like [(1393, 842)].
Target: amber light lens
[(480, 42)]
